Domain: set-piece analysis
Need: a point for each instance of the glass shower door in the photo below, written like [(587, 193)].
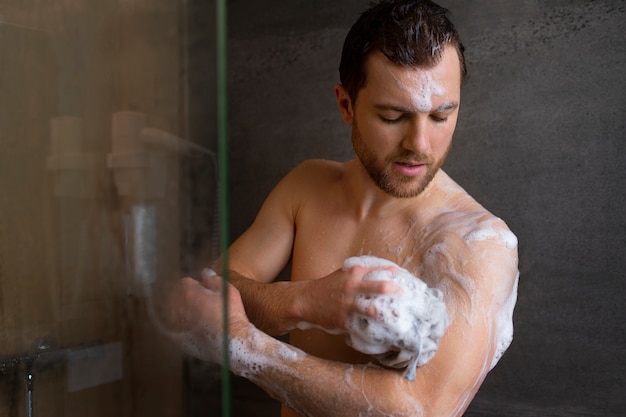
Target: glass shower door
[(109, 180)]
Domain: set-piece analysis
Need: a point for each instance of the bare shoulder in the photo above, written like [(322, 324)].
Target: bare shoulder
[(313, 179), (317, 171), (460, 214), (469, 251), (301, 182)]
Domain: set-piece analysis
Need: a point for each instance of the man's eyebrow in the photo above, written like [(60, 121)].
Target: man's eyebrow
[(441, 109), (392, 107), (446, 107)]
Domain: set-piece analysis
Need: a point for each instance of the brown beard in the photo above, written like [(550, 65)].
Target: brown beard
[(382, 172)]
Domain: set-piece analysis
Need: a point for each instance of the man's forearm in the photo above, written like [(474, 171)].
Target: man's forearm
[(270, 307), (315, 387)]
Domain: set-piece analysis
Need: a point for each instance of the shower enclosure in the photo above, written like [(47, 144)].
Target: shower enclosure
[(109, 178)]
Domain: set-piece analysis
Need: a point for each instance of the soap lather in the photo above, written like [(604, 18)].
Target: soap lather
[(408, 325)]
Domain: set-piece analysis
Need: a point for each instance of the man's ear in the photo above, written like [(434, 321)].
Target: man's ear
[(345, 104)]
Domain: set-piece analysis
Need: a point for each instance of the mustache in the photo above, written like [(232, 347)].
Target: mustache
[(411, 157)]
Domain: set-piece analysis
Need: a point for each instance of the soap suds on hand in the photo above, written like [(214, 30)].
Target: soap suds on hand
[(408, 324)]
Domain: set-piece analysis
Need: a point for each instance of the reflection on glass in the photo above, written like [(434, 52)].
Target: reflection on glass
[(109, 185)]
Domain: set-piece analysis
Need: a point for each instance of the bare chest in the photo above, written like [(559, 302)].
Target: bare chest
[(324, 241)]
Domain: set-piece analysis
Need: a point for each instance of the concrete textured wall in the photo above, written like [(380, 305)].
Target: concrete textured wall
[(540, 142)]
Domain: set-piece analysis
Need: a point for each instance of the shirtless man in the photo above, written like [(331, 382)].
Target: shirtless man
[(400, 93)]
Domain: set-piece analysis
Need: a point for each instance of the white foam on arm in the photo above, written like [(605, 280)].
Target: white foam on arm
[(315, 387), (494, 231)]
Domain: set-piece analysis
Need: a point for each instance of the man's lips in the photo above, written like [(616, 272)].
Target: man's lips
[(410, 169)]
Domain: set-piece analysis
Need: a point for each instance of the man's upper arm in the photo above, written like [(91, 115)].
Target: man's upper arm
[(479, 280), (263, 250)]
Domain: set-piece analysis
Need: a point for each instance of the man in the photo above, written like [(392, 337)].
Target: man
[(401, 71)]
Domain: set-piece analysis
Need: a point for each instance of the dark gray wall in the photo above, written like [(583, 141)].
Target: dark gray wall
[(540, 142)]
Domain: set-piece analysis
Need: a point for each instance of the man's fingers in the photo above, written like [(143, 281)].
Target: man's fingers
[(210, 280)]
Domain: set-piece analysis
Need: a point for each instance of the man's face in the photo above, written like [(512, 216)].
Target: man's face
[(403, 121)]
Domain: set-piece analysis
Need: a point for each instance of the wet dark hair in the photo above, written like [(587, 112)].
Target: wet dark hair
[(411, 33)]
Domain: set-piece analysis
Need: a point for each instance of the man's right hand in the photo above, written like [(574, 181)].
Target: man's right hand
[(328, 302)]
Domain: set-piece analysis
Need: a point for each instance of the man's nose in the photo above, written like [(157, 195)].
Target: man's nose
[(416, 138)]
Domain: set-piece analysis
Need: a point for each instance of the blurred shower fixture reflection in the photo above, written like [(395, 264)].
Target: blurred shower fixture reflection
[(145, 165)]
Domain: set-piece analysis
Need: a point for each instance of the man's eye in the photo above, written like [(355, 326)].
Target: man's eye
[(438, 119), (392, 120)]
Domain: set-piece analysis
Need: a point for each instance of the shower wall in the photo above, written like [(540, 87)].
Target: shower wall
[(540, 142)]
